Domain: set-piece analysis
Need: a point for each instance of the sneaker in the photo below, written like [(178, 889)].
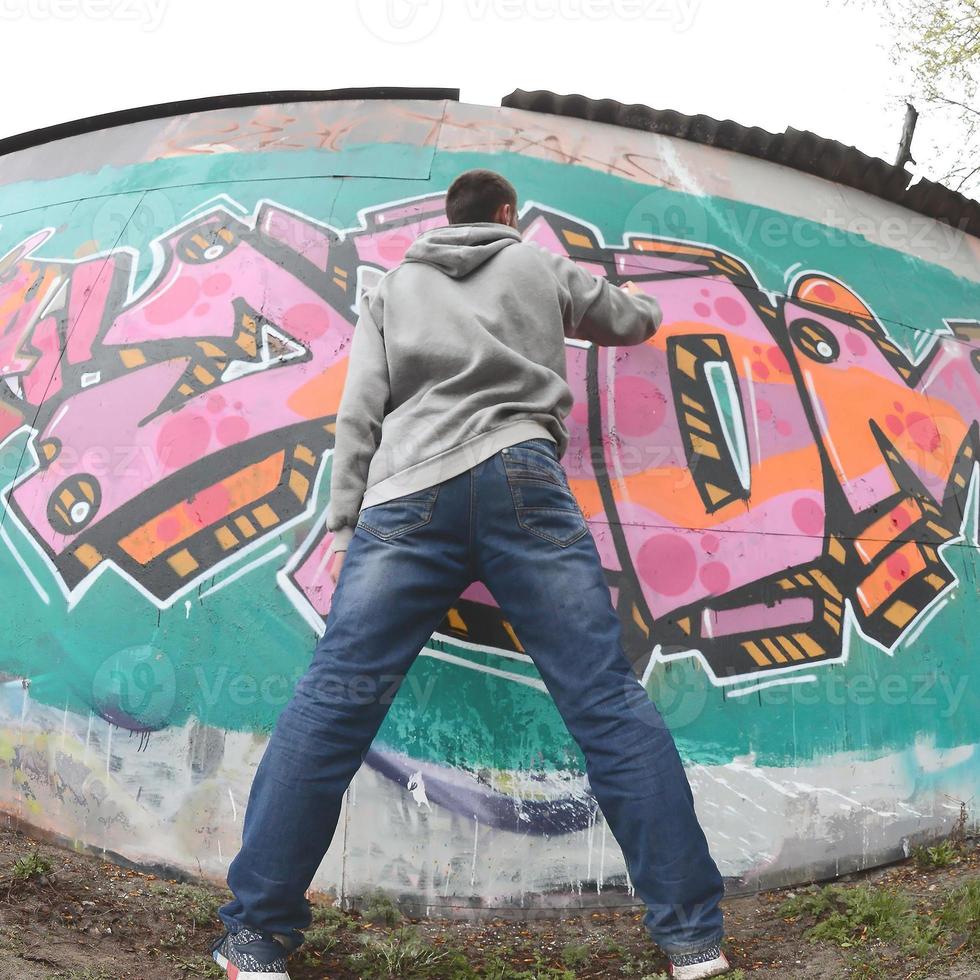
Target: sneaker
[(251, 955), (710, 962)]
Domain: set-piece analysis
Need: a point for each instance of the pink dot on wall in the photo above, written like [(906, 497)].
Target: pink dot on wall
[(730, 310), (306, 321), (667, 563), (895, 424), (923, 431), (823, 292), (202, 309), (209, 506), (216, 403), (183, 440), (702, 310), (778, 360), (715, 577), (232, 430), (710, 543), (783, 427), (760, 370), (167, 528), (808, 516), (856, 344), (763, 410), (217, 284), (640, 406), (174, 302), (898, 566), (901, 519), (392, 247)]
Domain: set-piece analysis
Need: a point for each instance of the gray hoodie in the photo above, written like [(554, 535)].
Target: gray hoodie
[(458, 352)]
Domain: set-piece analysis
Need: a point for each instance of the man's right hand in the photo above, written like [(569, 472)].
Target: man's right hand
[(335, 564)]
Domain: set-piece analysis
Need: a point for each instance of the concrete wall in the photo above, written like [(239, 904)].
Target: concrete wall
[(782, 484)]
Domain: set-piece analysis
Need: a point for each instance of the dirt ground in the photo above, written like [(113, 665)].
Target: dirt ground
[(70, 916)]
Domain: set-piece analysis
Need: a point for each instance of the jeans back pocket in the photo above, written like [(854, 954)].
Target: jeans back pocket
[(395, 517), (543, 501)]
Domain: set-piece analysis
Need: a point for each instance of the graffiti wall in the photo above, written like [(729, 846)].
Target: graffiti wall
[(782, 484)]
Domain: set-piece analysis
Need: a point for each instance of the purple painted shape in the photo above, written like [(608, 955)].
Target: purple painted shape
[(387, 247), (459, 792), (637, 263), (89, 296), (578, 454), (478, 592), (424, 207), (540, 232), (789, 612)]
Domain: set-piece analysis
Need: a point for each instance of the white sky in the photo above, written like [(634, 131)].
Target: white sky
[(813, 64)]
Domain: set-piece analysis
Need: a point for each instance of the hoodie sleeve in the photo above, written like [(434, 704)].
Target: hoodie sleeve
[(361, 411), (598, 311)]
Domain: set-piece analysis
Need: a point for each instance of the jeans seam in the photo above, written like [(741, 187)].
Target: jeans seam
[(540, 452), (546, 481), (472, 535), (512, 462)]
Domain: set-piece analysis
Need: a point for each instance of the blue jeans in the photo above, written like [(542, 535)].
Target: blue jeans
[(511, 522)]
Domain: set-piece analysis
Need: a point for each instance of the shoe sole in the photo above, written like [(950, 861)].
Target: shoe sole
[(235, 974), (701, 971)]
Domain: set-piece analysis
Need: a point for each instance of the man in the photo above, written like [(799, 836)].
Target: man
[(446, 470)]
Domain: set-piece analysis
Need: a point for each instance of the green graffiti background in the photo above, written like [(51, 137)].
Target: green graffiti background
[(230, 659)]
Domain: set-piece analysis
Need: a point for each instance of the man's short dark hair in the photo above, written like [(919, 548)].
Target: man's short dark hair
[(475, 195)]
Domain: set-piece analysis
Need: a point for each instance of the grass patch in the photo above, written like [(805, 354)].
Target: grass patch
[(576, 954), (853, 918), (188, 902), (849, 917), (380, 910), (959, 914), (497, 969), (941, 855), (402, 953), (32, 866), (322, 935)]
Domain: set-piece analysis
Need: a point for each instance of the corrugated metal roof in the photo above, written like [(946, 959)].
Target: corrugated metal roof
[(794, 148)]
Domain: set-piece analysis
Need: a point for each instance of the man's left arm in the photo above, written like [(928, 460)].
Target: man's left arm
[(360, 413)]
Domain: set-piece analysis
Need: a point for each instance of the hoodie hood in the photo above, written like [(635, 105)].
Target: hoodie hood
[(457, 250)]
